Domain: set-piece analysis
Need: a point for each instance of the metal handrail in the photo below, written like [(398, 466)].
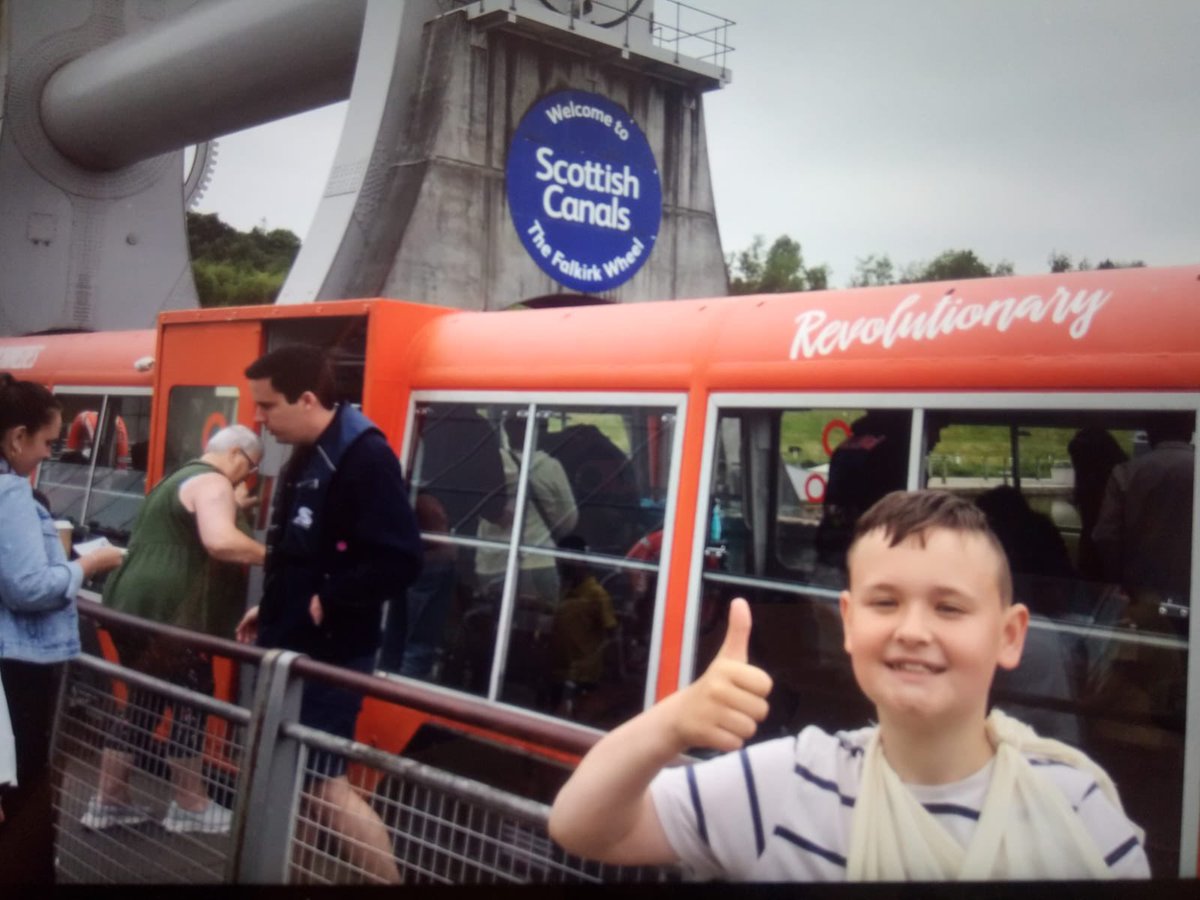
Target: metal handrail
[(667, 32), (92, 608), (548, 734)]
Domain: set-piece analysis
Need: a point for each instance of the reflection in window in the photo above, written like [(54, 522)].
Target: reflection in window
[(1087, 507), (97, 475), (194, 414), (584, 576), (119, 478), (1094, 510), (457, 464), (63, 479), (583, 656), (788, 486), (550, 514)]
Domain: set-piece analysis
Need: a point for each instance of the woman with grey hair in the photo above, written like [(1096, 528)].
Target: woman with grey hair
[(235, 438), (186, 567)]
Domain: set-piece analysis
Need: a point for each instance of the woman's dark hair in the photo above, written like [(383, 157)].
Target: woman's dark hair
[(25, 403)]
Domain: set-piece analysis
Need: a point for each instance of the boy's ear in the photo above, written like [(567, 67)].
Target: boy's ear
[(844, 607), (1012, 636)]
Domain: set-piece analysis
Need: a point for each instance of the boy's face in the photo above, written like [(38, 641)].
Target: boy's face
[(926, 627)]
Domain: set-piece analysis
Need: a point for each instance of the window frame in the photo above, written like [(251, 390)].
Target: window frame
[(104, 392), (221, 391), (918, 402), (533, 401)]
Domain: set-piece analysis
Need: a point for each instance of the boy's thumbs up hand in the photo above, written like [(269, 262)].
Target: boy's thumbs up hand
[(723, 707), (737, 633)]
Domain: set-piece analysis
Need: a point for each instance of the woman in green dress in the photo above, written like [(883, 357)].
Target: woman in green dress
[(186, 567)]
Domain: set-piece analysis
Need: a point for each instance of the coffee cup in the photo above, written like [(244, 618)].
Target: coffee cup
[(66, 532)]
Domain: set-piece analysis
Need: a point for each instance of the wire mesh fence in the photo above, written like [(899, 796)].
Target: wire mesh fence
[(158, 782), (146, 777), (421, 825)]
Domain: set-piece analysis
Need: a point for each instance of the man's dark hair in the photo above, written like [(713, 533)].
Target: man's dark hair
[(294, 370), (1169, 426), (904, 514)]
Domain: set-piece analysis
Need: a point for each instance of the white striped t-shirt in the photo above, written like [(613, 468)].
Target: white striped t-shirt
[(781, 810)]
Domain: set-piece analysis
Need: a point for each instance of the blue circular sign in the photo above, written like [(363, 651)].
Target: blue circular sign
[(583, 190)]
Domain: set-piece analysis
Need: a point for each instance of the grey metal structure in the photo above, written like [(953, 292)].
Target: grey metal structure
[(98, 98), (223, 67)]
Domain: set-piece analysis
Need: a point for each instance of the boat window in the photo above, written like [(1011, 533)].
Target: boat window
[(577, 563)]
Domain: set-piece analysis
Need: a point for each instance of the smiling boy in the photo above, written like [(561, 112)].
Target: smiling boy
[(937, 790)]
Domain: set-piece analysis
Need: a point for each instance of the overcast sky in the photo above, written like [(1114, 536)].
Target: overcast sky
[(1010, 127)]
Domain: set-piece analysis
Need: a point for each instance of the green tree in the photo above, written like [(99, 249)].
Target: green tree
[(236, 268), (952, 265), (1059, 262), (780, 269), (872, 271), (1062, 262)]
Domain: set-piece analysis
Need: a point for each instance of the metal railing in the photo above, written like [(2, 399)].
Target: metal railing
[(682, 30), (265, 777), (688, 31), (95, 845)]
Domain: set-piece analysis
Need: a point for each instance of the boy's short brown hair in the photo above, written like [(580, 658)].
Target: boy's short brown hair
[(903, 514)]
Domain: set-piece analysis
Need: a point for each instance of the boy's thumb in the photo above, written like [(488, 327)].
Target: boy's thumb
[(737, 634)]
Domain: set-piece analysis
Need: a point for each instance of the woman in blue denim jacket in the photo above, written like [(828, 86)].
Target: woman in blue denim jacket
[(39, 626)]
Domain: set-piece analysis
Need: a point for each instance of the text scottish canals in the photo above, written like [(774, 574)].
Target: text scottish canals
[(570, 181), (572, 268), (590, 176), (818, 334)]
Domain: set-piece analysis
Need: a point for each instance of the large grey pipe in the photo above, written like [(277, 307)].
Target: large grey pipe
[(220, 67)]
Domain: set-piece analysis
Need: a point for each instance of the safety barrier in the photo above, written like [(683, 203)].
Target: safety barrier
[(274, 817)]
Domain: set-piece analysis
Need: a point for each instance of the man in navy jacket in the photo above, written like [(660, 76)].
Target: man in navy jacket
[(342, 541)]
